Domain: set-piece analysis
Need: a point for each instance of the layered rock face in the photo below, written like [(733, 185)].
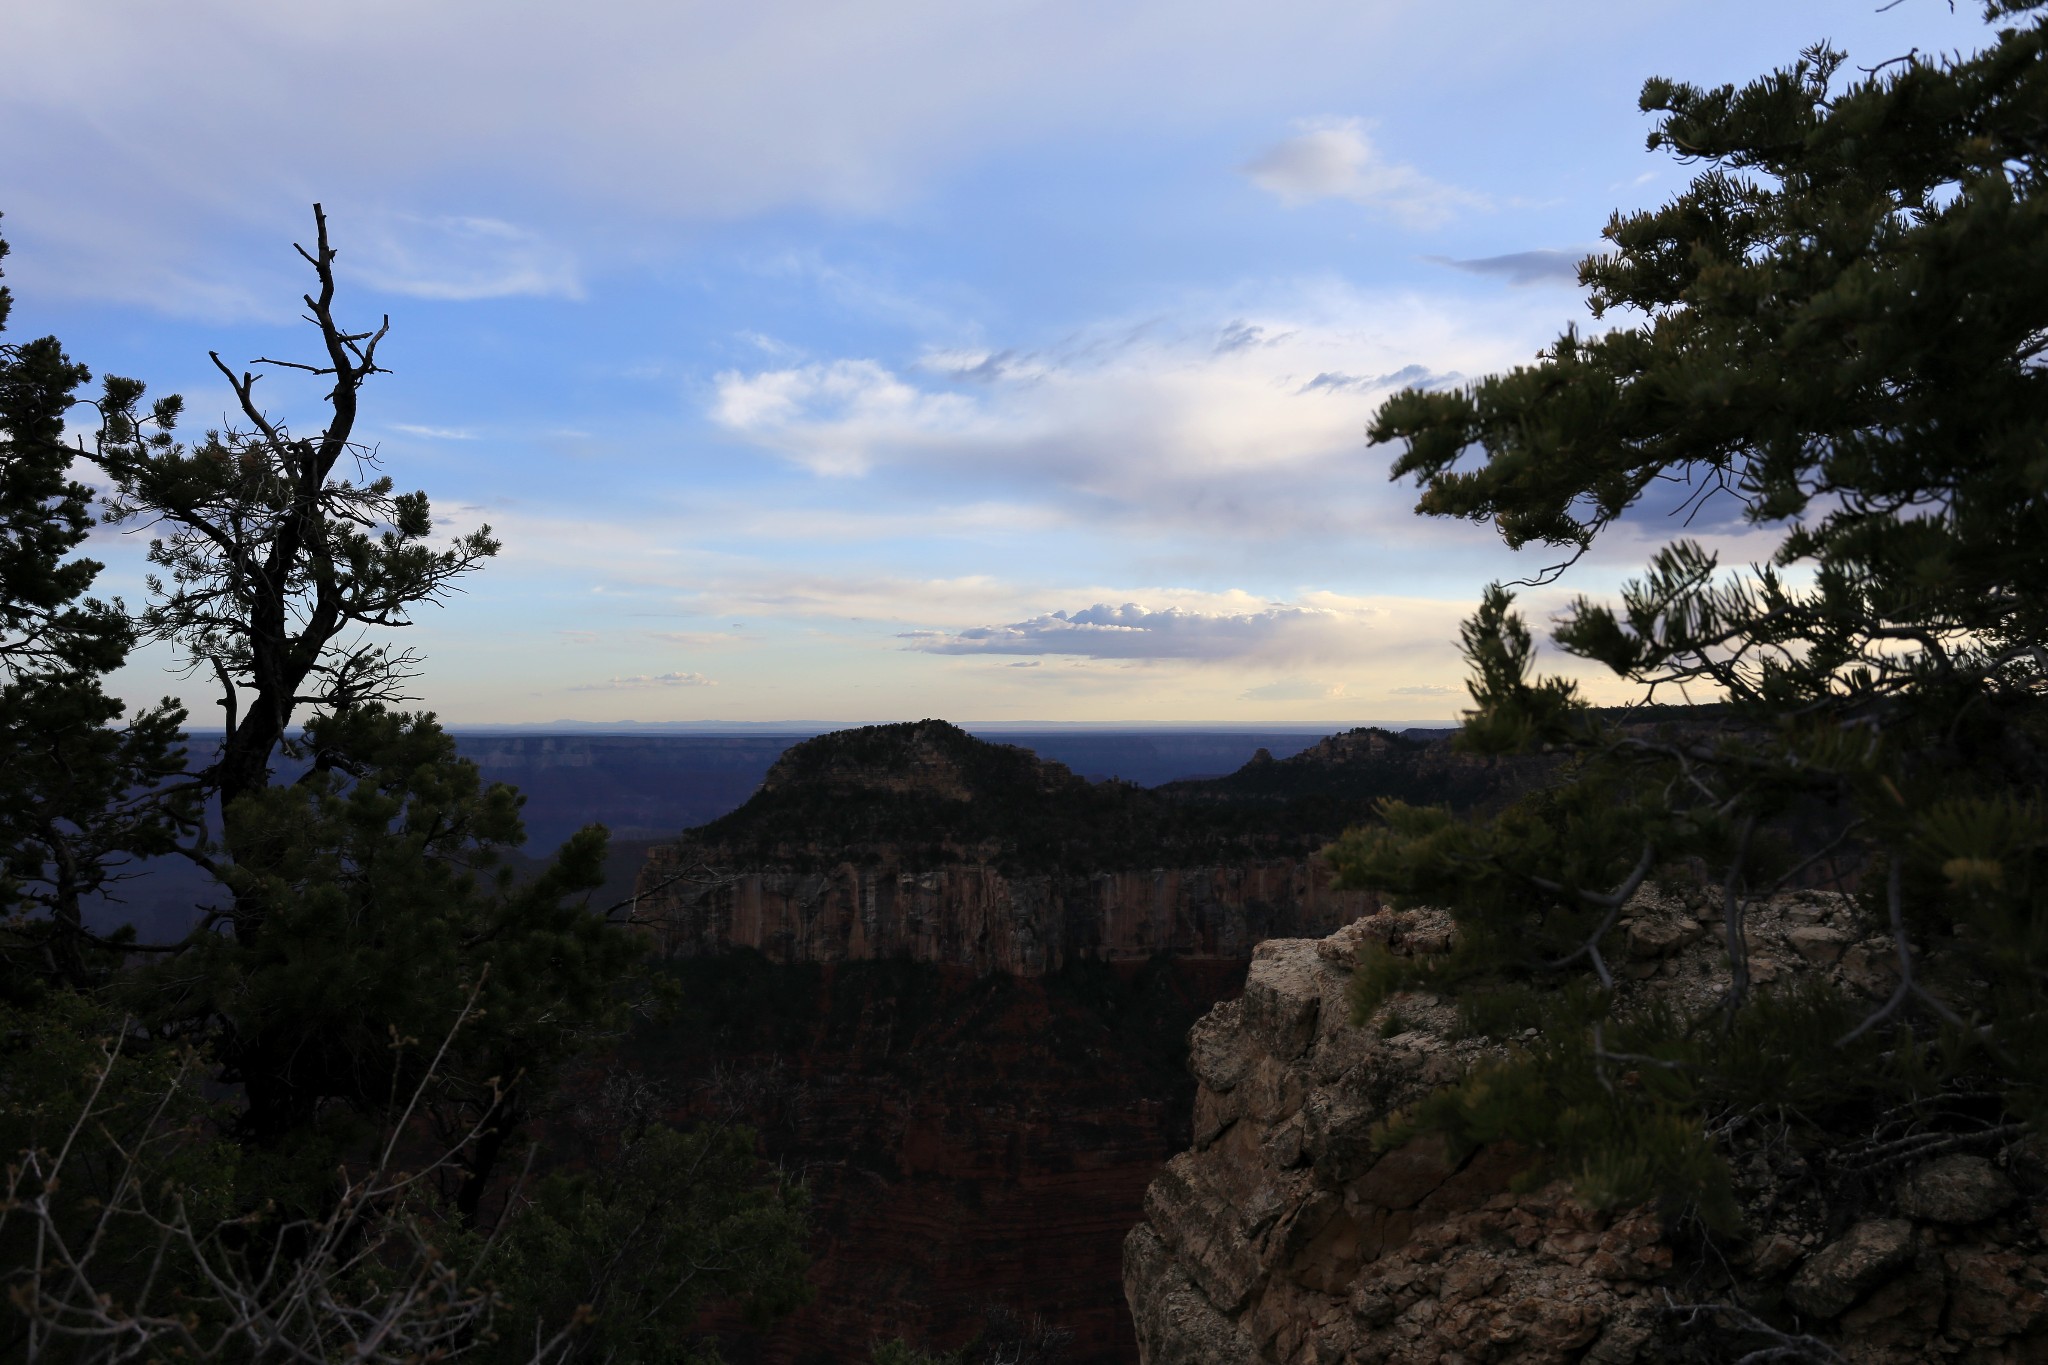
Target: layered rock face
[(1286, 1235), (976, 917), (920, 842)]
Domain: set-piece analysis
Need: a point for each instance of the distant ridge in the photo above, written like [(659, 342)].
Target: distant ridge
[(931, 793), (975, 727)]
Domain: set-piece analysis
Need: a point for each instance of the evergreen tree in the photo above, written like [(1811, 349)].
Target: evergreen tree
[(275, 563), (1836, 331), (376, 985), (360, 901), (79, 798)]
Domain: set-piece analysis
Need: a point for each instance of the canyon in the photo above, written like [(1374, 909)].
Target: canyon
[(949, 985)]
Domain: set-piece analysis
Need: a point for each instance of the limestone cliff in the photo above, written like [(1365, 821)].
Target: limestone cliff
[(1286, 1235), (921, 842), (974, 916)]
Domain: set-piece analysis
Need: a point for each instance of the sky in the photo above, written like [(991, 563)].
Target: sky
[(1003, 362)]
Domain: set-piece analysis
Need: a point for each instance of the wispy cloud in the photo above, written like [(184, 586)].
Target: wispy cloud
[(701, 639), (1239, 334), (644, 681), (1130, 631), (1422, 690), (1407, 377), (458, 259), (435, 433), (1295, 689), (1334, 158), (1544, 265)]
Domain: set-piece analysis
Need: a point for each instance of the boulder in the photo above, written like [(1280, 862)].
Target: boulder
[(1851, 1266), (1958, 1188)]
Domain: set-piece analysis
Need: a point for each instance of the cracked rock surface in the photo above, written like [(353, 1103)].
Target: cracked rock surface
[(1285, 1235)]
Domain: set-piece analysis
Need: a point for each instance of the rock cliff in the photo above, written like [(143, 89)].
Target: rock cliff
[(919, 841), (1285, 1234), (951, 984), (976, 917)]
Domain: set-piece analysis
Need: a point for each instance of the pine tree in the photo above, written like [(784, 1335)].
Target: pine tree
[(211, 1156), (79, 798), (1837, 332)]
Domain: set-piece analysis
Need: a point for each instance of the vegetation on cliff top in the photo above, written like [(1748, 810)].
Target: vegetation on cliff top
[(932, 794), (1837, 331)]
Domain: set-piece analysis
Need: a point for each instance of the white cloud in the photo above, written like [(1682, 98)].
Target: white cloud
[(1220, 417), (456, 259), (830, 417), (642, 681), (1334, 158)]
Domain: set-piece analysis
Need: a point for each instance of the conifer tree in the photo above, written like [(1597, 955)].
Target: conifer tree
[(1834, 335), (364, 900), (373, 984), (79, 798)]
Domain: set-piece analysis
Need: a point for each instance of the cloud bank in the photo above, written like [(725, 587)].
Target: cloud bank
[(1247, 422), (1130, 631)]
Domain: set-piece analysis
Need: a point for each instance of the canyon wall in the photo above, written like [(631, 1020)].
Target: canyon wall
[(978, 918), (950, 985)]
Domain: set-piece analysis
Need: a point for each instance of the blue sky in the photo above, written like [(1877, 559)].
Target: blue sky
[(1002, 362)]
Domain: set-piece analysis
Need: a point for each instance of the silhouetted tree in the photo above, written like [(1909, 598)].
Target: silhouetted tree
[(79, 798)]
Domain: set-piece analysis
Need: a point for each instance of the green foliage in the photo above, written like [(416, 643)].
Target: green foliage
[(638, 1245), (81, 1092), (385, 916), (1836, 332), (1621, 1102), (77, 796)]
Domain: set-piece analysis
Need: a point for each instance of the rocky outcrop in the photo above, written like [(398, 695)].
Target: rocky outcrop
[(1356, 768), (1287, 1234)]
